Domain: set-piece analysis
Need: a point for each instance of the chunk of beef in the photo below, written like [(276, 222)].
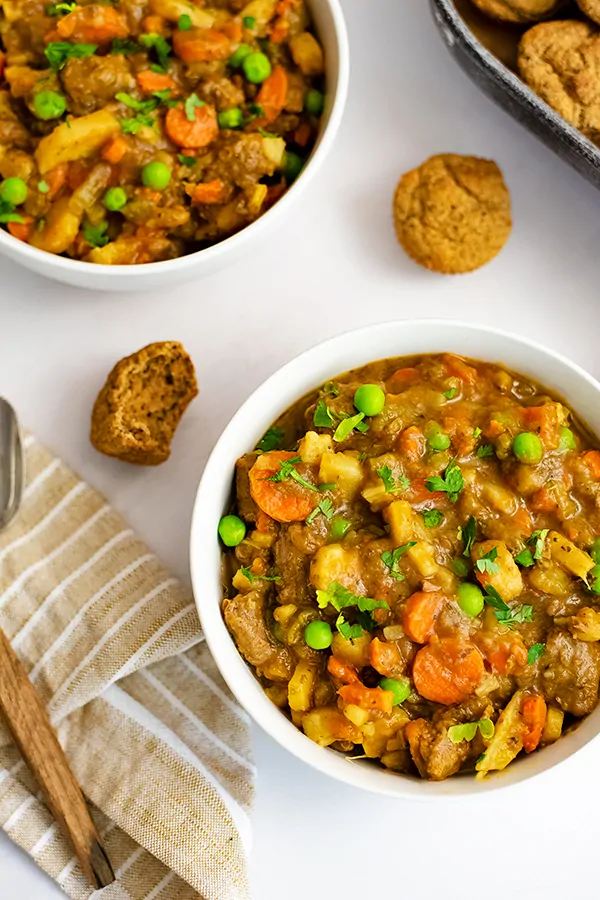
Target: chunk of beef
[(221, 92), (434, 754), (245, 616), (293, 566), (247, 508), (92, 82), (570, 672)]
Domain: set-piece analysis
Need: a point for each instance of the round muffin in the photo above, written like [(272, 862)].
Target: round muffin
[(560, 61), (452, 214), (521, 11), (591, 8)]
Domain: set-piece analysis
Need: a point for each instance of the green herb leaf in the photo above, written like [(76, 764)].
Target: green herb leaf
[(493, 598), (477, 432), (126, 46), (451, 394), (143, 106), (534, 653), (43, 187), (467, 732), (537, 541), (341, 598), (60, 9), (329, 387), (162, 47), (507, 615), (165, 97), (287, 470), (469, 534), (347, 426), (323, 417), (350, 632), (487, 562), (192, 103), (185, 23), (59, 52), (186, 160), (391, 559), (452, 482), (525, 558), (325, 506), (132, 126), (329, 486), (271, 440), (432, 517), (389, 482), (485, 450), (249, 22), (252, 577), (94, 234)]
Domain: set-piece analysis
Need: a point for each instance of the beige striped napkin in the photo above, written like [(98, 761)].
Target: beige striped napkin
[(113, 644)]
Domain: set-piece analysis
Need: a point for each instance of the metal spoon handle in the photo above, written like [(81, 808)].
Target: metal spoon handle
[(28, 721)]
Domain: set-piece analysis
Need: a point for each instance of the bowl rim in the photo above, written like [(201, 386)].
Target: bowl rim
[(22, 252), (204, 564)]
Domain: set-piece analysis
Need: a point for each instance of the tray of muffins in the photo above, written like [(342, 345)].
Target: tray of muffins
[(538, 59)]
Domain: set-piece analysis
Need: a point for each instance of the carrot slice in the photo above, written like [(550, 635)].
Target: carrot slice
[(273, 93), (342, 671), (419, 615), (543, 419), (401, 379), (367, 698), (534, 713), (411, 442), (93, 25), (21, 230), (592, 460), (385, 658), (149, 81), (154, 25), (543, 501), (284, 501), (209, 192), (199, 133), (459, 368), (302, 134), (115, 150), (448, 670), (56, 177), (201, 45), (233, 29), (506, 653), (521, 521)]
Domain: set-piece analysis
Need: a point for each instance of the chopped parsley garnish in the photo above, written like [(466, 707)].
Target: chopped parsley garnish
[(43, 187), (271, 440), (525, 558), (534, 653), (288, 470), (95, 234), (467, 732), (507, 615), (125, 46), (347, 426), (60, 9), (325, 506), (249, 22), (59, 52), (469, 534), (330, 387), (185, 22), (432, 517), (133, 125), (162, 47), (451, 483), (537, 540), (485, 450), (165, 97), (341, 598), (143, 106), (391, 559), (389, 482), (477, 432), (252, 577), (186, 160), (323, 417), (487, 562), (192, 103), (329, 486), (450, 394)]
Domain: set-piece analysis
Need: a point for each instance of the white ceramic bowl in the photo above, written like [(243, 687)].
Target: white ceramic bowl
[(286, 386), (331, 28)]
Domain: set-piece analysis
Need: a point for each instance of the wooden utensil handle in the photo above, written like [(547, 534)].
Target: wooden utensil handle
[(30, 726)]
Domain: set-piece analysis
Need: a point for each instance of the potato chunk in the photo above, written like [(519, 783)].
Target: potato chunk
[(569, 556), (506, 576), (507, 741), (335, 563), (585, 625), (328, 724), (60, 230), (399, 516), (172, 10), (302, 685), (342, 469), (75, 139), (307, 54), (313, 446)]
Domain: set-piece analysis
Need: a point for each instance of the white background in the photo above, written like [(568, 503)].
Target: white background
[(336, 266)]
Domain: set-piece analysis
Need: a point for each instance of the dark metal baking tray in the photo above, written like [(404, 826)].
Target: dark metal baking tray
[(504, 87)]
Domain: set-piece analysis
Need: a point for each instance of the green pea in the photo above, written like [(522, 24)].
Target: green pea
[(240, 55), (470, 599), (292, 165), (400, 688), (369, 399), (13, 190), (232, 530), (314, 103), (318, 635), (436, 439), (230, 118), (528, 448), (566, 440), (594, 579), (115, 198), (257, 67), (460, 567), (49, 105), (156, 175), (339, 527), (595, 550)]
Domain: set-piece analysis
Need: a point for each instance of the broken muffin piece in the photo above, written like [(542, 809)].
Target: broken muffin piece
[(142, 402)]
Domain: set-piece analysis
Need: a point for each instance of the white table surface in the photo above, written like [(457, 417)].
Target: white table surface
[(336, 266)]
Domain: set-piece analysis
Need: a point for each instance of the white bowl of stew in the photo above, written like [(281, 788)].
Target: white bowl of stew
[(227, 209), (526, 373)]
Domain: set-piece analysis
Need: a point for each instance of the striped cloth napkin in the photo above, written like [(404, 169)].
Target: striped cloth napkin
[(112, 643)]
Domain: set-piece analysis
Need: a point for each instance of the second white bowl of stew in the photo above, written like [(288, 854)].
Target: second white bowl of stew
[(396, 557)]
